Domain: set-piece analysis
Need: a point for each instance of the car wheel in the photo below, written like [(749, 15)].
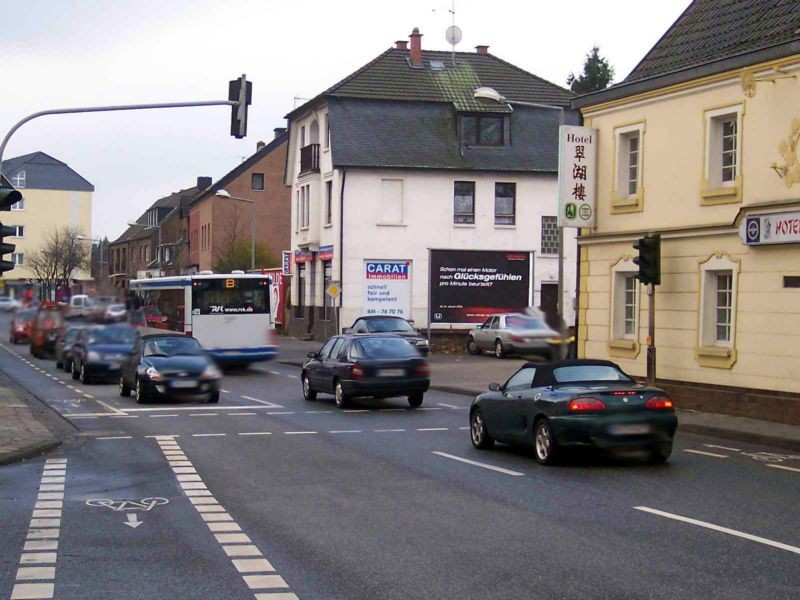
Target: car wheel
[(75, 373), (124, 390), (84, 377), (59, 364), (308, 393), (141, 394), (544, 442), (472, 347), (478, 433), (660, 454), (415, 400), (341, 397), (499, 352), (214, 398)]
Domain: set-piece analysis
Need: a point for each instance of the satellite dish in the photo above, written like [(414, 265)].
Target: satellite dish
[(453, 35)]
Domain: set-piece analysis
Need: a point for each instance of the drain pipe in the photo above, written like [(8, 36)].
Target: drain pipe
[(341, 249)]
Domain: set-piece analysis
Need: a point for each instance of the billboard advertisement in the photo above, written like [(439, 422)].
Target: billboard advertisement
[(469, 285), (387, 287)]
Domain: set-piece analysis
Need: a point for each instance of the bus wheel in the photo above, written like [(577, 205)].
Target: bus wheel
[(214, 398)]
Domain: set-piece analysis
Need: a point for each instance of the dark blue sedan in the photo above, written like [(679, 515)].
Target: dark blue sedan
[(98, 353)]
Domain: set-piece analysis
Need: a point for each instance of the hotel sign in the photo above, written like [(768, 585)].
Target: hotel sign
[(577, 160), (775, 228)]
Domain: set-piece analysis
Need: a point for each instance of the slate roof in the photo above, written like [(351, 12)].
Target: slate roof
[(43, 172), (390, 76), (171, 201), (711, 36), (370, 133), (241, 168), (710, 30)]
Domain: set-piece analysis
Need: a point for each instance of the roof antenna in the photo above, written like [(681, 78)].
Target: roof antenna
[(453, 33)]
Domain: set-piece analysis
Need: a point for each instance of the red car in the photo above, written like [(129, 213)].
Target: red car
[(154, 318), (21, 326), (44, 330)]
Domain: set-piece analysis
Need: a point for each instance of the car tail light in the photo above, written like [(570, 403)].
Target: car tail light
[(515, 338), (358, 372), (423, 370), (659, 402), (586, 405)]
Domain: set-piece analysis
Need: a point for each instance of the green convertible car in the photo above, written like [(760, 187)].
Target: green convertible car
[(575, 403)]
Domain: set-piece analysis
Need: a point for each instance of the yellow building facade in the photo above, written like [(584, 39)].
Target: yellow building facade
[(710, 163)]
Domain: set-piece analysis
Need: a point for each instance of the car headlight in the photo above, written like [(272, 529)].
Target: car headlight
[(93, 356), (153, 374), (422, 342), (211, 372)]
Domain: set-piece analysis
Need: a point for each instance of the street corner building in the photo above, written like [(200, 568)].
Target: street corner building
[(699, 144), (53, 196), (419, 199)]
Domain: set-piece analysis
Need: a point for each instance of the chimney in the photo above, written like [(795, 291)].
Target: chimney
[(259, 145), (482, 49), (203, 183), (279, 131), (416, 47), (401, 44)]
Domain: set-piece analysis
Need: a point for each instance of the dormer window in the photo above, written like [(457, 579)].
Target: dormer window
[(483, 130), (18, 180)]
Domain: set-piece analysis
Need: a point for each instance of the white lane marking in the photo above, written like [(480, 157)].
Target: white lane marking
[(166, 438), (264, 402), (450, 406), (208, 434), (241, 414), (356, 410), (479, 464), (318, 412), (387, 430), (115, 437), (32, 590), (162, 416), (293, 377), (260, 582), (252, 565), (203, 414), (225, 391), (741, 534), (183, 408), (347, 431), (706, 453), (232, 551), (123, 417), (721, 447), (274, 373), (299, 432), (256, 433), (288, 412), (784, 468), (83, 416), (433, 429), (463, 428), (427, 408)]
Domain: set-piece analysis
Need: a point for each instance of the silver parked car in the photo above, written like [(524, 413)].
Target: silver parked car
[(512, 332)]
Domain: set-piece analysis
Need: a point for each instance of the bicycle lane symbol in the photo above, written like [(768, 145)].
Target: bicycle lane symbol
[(130, 507)]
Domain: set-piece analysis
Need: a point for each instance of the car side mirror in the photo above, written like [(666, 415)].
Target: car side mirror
[(494, 387), (313, 355), (349, 330)]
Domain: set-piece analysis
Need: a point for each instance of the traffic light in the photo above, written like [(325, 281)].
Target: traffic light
[(649, 259), (240, 90), (8, 196)]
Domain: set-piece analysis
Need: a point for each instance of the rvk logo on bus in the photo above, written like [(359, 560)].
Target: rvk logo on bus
[(387, 270)]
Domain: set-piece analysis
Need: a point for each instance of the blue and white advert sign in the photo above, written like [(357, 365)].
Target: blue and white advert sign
[(387, 288), (773, 228)]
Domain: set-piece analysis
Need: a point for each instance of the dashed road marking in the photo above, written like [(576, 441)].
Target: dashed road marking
[(266, 403), (208, 434), (741, 534), (722, 447), (245, 414), (706, 453), (387, 430), (116, 437), (203, 414), (299, 432), (433, 429), (785, 468), (479, 464), (161, 416), (347, 431), (451, 406), (256, 433)]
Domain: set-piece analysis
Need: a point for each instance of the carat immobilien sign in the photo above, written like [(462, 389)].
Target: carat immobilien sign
[(577, 163)]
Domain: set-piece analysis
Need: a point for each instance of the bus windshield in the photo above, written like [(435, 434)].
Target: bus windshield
[(230, 296)]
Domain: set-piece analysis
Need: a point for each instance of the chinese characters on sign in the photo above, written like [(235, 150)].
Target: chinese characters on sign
[(576, 176)]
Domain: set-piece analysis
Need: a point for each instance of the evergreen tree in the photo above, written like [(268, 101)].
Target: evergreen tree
[(597, 74)]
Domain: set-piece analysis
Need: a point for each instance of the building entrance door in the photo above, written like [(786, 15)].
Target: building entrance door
[(549, 303)]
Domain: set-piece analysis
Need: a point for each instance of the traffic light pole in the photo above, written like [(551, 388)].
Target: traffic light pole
[(93, 109), (651, 336)]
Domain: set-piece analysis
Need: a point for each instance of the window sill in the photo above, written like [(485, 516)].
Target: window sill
[(327, 225), (627, 204), (716, 357), (729, 194), (622, 344), (380, 224), (714, 351), (302, 229), (623, 348), (464, 225), (500, 226)]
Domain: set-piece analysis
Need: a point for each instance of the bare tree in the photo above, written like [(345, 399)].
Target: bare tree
[(59, 256), (235, 248)]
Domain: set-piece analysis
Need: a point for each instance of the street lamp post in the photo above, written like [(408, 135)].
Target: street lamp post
[(225, 194), (488, 93), (158, 248)]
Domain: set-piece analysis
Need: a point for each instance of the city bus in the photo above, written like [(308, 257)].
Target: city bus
[(228, 313)]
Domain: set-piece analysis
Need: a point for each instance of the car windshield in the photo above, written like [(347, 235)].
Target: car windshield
[(389, 324), (24, 315), (385, 347), (71, 335), (116, 307), (172, 346), (112, 335), (520, 322), (588, 373)]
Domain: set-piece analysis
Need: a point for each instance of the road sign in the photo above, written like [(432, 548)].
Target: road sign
[(333, 290)]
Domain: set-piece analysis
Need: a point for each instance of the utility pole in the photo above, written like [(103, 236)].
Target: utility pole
[(649, 261)]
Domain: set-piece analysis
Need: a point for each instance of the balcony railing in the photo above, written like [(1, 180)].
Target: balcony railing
[(309, 159)]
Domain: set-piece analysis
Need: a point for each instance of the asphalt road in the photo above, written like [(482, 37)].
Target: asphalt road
[(268, 496)]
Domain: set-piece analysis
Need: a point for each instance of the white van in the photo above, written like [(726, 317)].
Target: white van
[(80, 305)]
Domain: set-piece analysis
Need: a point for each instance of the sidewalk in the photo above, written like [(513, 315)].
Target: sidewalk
[(21, 433), (471, 375)]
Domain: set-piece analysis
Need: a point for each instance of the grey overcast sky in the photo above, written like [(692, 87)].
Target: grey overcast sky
[(63, 53)]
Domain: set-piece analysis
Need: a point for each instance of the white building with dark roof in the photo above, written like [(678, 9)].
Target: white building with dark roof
[(398, 162)]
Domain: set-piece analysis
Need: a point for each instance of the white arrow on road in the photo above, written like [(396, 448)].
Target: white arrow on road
[(133, 520)]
